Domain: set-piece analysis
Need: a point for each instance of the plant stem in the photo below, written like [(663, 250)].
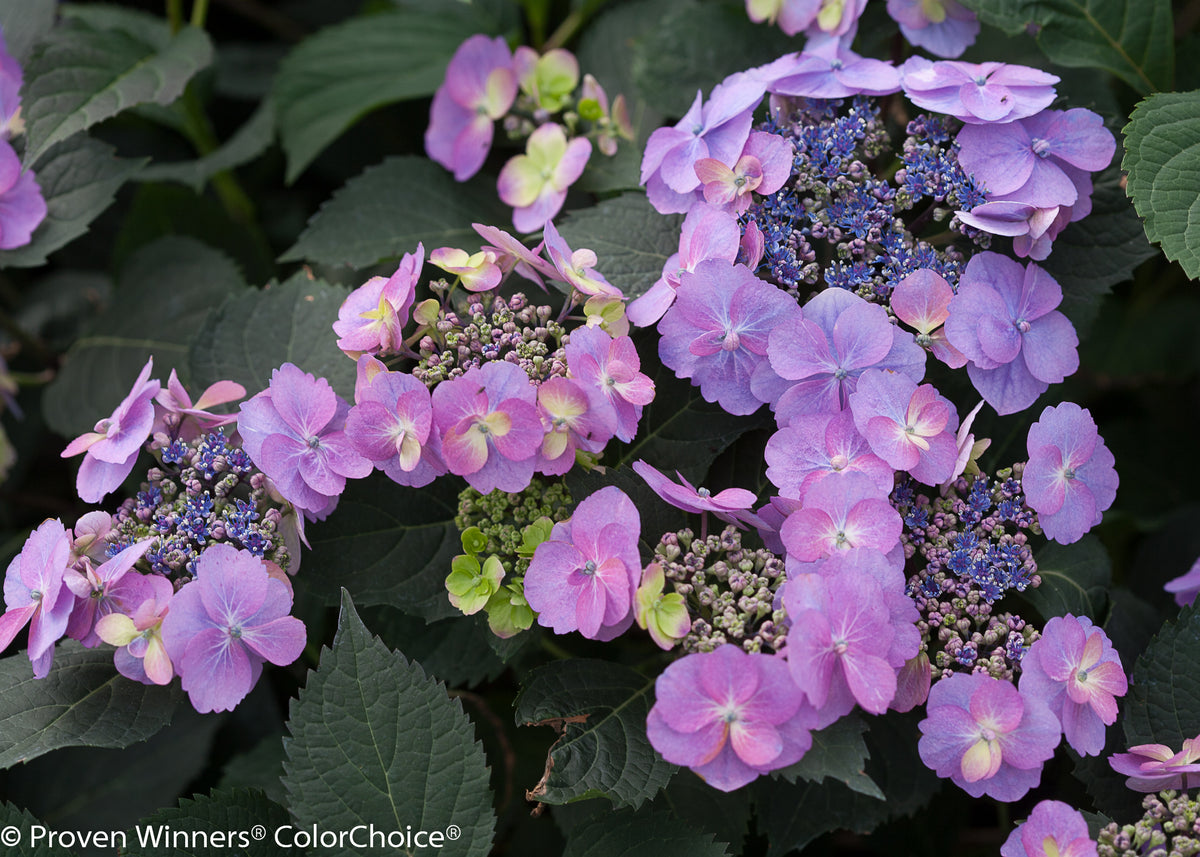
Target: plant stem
[(199, 13), (571, 25), (175, 15)]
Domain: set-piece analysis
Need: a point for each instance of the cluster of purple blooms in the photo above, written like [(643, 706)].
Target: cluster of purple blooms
[(190, 577), (22, 207), (486, 82)]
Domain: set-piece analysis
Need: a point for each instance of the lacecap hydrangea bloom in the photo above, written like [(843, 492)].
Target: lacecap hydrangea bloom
[(1053, 829)]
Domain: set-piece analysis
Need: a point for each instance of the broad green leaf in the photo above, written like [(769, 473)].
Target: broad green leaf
[(695, 46), (1131, 38), (83, 702), (375, 741), (1162, 157), (24, 22), (1094, 254), (631, 240), (630, 834), (1105, 786), (599, 709), (389, 544), (679, 430), (163, 296), (386, 211), (259, 768), (246, 144), (27, 844), (224, 819), (453, 650), (906, 781), (793, 815), (1163, 705), (838, 752), (342, 72), (83, 75), (255, 332), (1075, 579), (726, 815), (79, 179), (1131, 624)]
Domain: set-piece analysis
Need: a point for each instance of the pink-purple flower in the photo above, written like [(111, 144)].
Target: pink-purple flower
[(1070, 478), (725, 505), (479, 88), (820, 447), (729, 716), (1053, 829), (910, 427), (535, 184), (833, 71), (391, 424), (223, 625), (1185, 587), (295, 432), (839, 515), (22, 206), (1074, 669), (584, 576), (372, 317), (113, 446), (986, 736), (942, 27), (1154, 767), (35, 594), (610, 371), (977, 94)]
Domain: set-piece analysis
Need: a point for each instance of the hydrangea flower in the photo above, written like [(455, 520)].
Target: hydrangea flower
[(570, 423), (1154, 767), (1004, 320), (583, 578), (1185, 587), (716, 331), (832, 72), (942, 27), (175, 406), (489, 426), (977, 94), (1070, 479), (137, 634), (35, 595), (22, 206), (225, 623), (535, 183), (729, 716), (815, 448), (478, 89), (1053, 829), (683, 495), (764, 166), (922, 301), (840, 515), (1032, 229), (478, 272), (112, 448), (294, 431), (609, 369), (1074, 669), (666, 616), (548, 79), (103, 590), (372, 317), (11, 78), (986, 736), (909, 427), (392, 425), (575, 267)]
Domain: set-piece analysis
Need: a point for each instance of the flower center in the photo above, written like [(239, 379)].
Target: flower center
[(1022, 325), (589, 567), (314, 442), (1069, 473), (839, 462), (1040, 147), (703, 492)]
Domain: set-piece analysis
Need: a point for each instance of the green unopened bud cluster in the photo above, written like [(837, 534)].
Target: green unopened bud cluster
[(502, 518), (1170, 828), (729, 590)]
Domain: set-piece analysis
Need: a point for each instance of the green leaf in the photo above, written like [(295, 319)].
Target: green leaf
[(24, 22), (14, 817), (1094, 254), (1075, 579), (259, 768), (631, 240), (792, 816), (246, 144), (83, 75), (392, 206), (1163, 705), (255, 332), (1131, 38), (375, 741), (726, 815), (1162, 157), (144, 319), (1105, 786), (389, 544), (630, 834), (599, 709), (838, 752), (79, 179), (679, 430), (333, 78), (454, 650), (83, 702), (895, 764), (695, 46), (212, 823)]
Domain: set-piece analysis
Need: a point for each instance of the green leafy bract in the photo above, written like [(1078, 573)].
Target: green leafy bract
[(83, 702), (375, 741), (631, 240), (198, 826), (103, 363), (84, 74), (599, 709), (1162, 156), (1075, 579), (1163, 705), (255, 332), (1131, 38), (343, 72), (79, 179), (389, 544), (386, 211)]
